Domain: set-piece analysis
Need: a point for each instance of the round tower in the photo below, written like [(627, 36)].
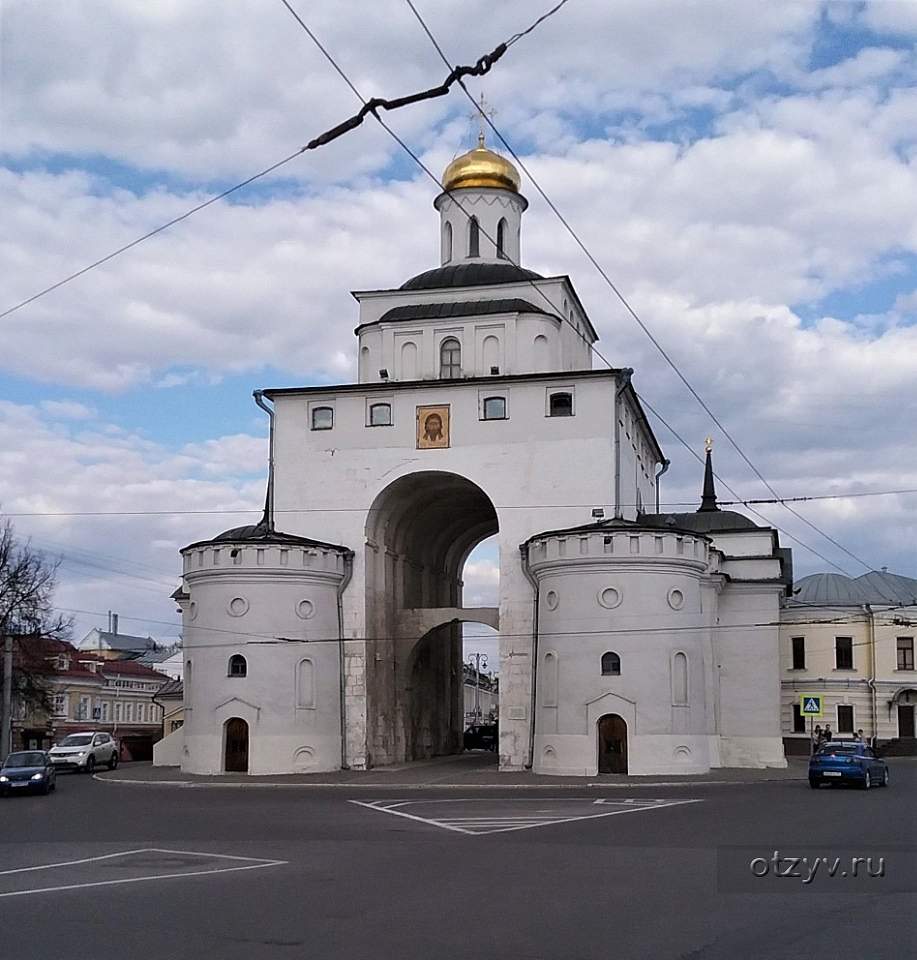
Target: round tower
[(262, 648), (625, 661)]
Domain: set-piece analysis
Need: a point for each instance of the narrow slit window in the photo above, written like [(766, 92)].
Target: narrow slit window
[(447, 242), (474, 238), (501, 238)]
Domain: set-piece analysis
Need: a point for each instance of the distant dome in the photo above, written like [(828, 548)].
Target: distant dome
[(474, 274), (481, 167)]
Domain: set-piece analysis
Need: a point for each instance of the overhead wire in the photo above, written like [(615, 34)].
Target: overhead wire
[(274, 640), (633, 313), (502, 506), (478, 69)]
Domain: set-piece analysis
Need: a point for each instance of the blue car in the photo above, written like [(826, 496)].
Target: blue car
[(29, 771), (847, 761)]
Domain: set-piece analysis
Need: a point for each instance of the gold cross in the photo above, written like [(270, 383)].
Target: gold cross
[(480, 114), (708, 444)]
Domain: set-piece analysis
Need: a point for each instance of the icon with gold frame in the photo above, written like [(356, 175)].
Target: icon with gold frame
[(433, 428)]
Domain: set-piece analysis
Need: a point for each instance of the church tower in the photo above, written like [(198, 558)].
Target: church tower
[(481, 208)]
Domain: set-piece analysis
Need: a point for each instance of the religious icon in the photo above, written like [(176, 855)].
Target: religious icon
[(432, 428)]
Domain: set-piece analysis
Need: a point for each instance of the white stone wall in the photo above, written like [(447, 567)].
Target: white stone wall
[(326, 481), (382, 344), (276, 606)]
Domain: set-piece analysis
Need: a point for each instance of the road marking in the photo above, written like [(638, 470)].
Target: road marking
[(250, 863), (514, 819)]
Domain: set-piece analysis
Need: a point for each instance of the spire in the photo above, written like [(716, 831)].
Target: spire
[(708, 501)]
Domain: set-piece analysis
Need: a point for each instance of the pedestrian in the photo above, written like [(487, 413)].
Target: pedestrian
[(826, 733), (816, 737), (860, 736)]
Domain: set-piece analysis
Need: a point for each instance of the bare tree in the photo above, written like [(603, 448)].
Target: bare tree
[(27, 581)]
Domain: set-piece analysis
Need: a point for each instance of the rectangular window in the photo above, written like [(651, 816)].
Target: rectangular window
[(905, 653), (843, 653), (60, 704), (129, 712), (799, 721), (141, 713), (560, 403), (380, 415), (118, 710), (105, 711), (799, 653), (844, 718)]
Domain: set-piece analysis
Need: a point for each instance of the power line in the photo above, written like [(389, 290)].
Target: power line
[(501, 506), (479, 69), (537, 289), (633, 313), (267, 639)]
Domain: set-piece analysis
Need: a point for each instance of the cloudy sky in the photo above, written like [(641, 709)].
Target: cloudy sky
[(744, 170)]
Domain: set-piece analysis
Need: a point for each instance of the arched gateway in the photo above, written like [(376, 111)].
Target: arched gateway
[(419, 532)]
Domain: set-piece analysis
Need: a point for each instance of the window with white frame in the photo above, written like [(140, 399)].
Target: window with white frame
[(60, 704), (450, 359), (380, 415)]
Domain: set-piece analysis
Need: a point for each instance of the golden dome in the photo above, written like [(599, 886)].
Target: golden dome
[(481, 167)]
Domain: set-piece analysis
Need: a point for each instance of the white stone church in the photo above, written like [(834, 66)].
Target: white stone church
[(630, 640)]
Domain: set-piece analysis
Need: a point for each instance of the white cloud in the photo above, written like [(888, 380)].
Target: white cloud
[(68, 409), (129, 563)]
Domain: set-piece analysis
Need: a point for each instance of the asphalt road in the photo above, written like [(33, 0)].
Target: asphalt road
[(155, 872)]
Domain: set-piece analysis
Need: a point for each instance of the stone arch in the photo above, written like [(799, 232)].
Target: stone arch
[(419, 532)]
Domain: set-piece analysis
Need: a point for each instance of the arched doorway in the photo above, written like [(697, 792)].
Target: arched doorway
[(235, 750), (419, 533), (612, 744)]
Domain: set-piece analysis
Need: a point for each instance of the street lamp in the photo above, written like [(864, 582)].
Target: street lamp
[(477, 660)]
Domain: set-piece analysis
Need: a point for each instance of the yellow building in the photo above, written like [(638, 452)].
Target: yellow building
[(852, 641)]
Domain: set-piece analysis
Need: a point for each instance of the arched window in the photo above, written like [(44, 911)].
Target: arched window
[(495, 408), (611, 664), (679, 679), (365, 364), (474, 238), (237, 666), (409, 361), (550, 680), (560, 405), (322, 418), (501, 238), (380, 415), (447, 242), (305, 684), (540, 353), (450, 359)]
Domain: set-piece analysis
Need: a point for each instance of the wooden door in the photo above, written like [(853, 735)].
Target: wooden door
[(236, 746), (905, 720), (612, 731)]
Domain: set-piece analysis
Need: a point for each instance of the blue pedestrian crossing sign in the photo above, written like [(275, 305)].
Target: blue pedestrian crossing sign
[(810, 704)]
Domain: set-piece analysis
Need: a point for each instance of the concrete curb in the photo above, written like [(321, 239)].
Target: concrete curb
[(444, 786)]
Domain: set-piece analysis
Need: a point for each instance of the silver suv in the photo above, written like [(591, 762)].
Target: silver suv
[(85, 751)]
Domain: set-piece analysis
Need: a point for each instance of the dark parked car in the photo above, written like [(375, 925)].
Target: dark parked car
[(26, 772), (847, 761), (481, 736)]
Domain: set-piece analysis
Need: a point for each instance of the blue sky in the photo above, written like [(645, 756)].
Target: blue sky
[(745, 172)]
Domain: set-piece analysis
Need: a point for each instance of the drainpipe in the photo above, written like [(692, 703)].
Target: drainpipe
[(348, 575), (665, 466), (524, 550), (623, 384), (871, 679), (269, 500)]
